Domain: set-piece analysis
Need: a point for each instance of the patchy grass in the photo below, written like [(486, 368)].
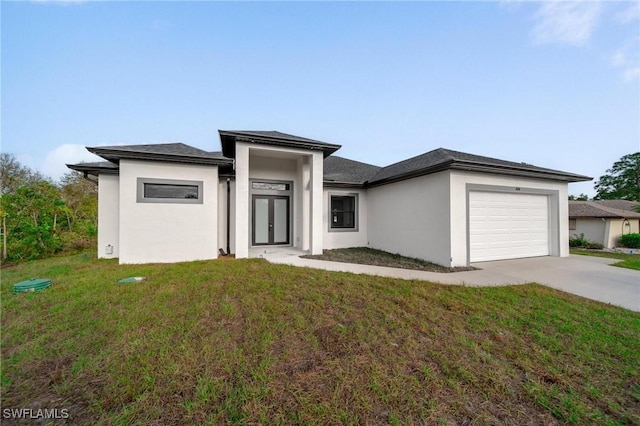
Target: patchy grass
[(368, 256), (629, 261), (248, 342)]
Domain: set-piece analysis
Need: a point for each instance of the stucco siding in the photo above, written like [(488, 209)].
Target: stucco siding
[(167, 232), (345, 238), (616, 228), (108, 216), (412, 218), (593, 229), (463, 182)]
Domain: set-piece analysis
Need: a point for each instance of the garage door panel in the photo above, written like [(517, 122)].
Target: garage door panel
[(507, 225)]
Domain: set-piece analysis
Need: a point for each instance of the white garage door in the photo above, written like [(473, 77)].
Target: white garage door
[(507, 226)]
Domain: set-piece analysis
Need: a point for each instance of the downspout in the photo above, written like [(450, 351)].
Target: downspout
[(228, 216)]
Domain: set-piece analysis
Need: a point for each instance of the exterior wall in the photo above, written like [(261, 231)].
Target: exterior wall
[(222, 215), (593, 229), (303, 168), (615, 228), (344, 239), (461, 182), (279, 169), (108, 215), (412, 218), (171, 232)]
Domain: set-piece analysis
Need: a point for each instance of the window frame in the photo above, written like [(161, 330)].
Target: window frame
[(141, 181), (573, 224), (356, 212)]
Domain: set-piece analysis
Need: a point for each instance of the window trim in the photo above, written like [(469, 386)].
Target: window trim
[(141, 181), (356, 212)]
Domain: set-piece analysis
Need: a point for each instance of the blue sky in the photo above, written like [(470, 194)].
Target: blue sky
[(556, 84)]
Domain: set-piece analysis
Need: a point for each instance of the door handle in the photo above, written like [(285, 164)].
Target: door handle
[(271, 225)]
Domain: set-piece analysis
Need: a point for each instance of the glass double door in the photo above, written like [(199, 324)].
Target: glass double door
[(270, 220)]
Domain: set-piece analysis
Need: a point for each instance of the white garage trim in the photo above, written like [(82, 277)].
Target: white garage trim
[(508, 225)]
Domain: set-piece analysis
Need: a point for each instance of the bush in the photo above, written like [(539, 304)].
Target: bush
[(630, 241), (578, 241)]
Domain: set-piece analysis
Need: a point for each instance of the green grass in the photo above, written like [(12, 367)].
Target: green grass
[(629, 261), (248, 342)]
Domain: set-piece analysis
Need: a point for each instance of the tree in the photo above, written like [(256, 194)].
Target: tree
[(13, 174), (40, 218), (81, 199), (622, 181), (581, 197), (31, 214)]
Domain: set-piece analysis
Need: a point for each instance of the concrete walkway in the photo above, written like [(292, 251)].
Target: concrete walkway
[(585, 276)]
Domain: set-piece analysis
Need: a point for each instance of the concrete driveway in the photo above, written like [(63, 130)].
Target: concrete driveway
[(585, 276)]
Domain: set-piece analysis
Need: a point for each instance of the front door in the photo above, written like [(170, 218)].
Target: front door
[(270, 220)]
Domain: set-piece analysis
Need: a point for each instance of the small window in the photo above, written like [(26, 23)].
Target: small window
[(169, 191), (572, 224), (163, 190), (271, 186), (343, 212)]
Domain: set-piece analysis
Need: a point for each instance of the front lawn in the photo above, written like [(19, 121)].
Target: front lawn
[(248, 342), (630, 261)]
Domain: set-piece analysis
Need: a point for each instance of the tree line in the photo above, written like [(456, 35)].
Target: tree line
[(620, 182), (41, 217)]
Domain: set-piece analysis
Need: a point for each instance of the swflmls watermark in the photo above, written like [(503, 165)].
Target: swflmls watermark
[(33, 414)]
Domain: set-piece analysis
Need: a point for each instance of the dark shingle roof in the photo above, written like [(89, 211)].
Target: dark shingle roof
[(96, 167), (271, 137), (619, 204), (443, 159), (596, 209), (177, 152), (338, 170)]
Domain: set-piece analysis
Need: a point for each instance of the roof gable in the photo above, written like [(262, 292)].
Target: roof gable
[(228, 139), (175, 152)]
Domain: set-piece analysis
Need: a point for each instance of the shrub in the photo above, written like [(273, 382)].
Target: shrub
[(630, 240), (578, 241)]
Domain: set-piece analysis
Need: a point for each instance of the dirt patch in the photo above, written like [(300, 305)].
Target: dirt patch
[(368, 256)]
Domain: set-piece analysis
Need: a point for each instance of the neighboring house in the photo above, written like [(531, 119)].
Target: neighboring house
[(173, 202), (603, 221)]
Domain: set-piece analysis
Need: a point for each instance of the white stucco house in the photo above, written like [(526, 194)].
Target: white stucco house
[(603, 221), (174, 202)]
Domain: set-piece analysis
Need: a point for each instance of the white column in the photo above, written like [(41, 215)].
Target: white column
[(306, 202), (242, 201), (317, 176)]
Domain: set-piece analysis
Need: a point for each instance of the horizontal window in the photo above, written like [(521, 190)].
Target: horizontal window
[(169, 191), (343, 212), (162, 190), (272, 186)]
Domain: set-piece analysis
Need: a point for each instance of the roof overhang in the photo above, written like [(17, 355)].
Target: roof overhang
[(95, 169), (115, 155), (335, 184), (228, 139), (469, 166)]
